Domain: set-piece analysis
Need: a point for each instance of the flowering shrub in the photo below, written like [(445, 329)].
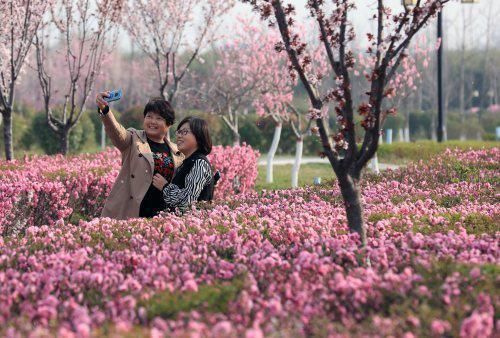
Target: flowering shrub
[(238, 168), (44, 189), (280, 261)]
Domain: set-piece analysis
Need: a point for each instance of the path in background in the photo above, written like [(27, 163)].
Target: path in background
[(283, 160)]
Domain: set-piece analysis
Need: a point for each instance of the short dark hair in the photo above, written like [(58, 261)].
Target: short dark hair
[(162, 107), (199, 128)]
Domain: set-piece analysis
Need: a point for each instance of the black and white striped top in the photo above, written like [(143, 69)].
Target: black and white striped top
[(180, 194)]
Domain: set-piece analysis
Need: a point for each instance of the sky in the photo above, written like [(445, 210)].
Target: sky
[(475, 17), (454, 13)]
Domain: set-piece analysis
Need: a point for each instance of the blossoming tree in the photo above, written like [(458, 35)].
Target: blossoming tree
[(301, 128), (172, 33), (403, 83), (249, 72), (20, 21), (387, 48), (83, 30), (230, 87), (275, 95), (274, 91), (238, 78)]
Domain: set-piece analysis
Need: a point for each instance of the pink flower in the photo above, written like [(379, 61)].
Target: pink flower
[(255, 332), (83, 330), (292, 248), (413, 321), (475, 273), (190, 285), (439, 327), (221, 329), (481, 322), (123, 326), (477, 325)]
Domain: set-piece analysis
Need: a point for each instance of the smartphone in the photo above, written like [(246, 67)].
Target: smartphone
[(114, 95)]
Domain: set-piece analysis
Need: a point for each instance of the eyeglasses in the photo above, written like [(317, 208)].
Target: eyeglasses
[(182, 132)]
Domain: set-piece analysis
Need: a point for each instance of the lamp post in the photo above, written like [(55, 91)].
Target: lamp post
[(441, 129)]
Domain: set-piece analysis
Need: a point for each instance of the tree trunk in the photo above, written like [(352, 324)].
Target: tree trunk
[(233, 124), (236, 138), (462, 82), (407, 134), (462, 99), (374, 164), (401, 136), (433, 128), (103, 137), (299, 146), (407, 127), (272, 152), (349, 187), (420, 97), (7, 134), (64, 141)]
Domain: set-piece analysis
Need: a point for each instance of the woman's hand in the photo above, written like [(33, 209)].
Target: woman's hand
[(99, 99), (159, 182)]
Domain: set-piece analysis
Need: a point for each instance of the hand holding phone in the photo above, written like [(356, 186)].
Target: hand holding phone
[(114, 95)]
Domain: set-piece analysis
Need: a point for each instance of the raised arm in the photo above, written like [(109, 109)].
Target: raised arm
[(120, 137)]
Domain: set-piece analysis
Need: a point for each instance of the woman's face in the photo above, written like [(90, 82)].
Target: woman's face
[(186, 141), (155, 126)]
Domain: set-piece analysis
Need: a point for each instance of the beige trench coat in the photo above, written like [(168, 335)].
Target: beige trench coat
[(136, 174)]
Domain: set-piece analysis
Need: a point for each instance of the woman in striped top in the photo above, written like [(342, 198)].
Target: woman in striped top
[(193, 180)]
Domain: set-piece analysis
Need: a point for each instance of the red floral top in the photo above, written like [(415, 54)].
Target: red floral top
[(153, 201)]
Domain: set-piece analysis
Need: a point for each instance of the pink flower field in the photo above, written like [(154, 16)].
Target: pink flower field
[(273, 263)]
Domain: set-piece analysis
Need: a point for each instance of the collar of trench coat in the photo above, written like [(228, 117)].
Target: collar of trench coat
[(145, 150)]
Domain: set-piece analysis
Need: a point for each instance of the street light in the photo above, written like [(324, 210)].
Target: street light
[(441, 129)]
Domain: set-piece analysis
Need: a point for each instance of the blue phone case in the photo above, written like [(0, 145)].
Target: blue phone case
[(114, 95)]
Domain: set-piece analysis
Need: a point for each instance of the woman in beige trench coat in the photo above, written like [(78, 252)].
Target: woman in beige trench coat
[(144, 153)]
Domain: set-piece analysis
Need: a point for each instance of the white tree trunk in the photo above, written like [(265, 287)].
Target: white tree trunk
[(407, 127), (401, 136), (374, 164), (236, 140), (103, 137), (299, 146), (433, 129), (272, 152), (388, 134)]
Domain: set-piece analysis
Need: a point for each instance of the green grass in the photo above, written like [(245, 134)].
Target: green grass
[(401, 152), (212, 298), (283, 175), (395, 153)]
